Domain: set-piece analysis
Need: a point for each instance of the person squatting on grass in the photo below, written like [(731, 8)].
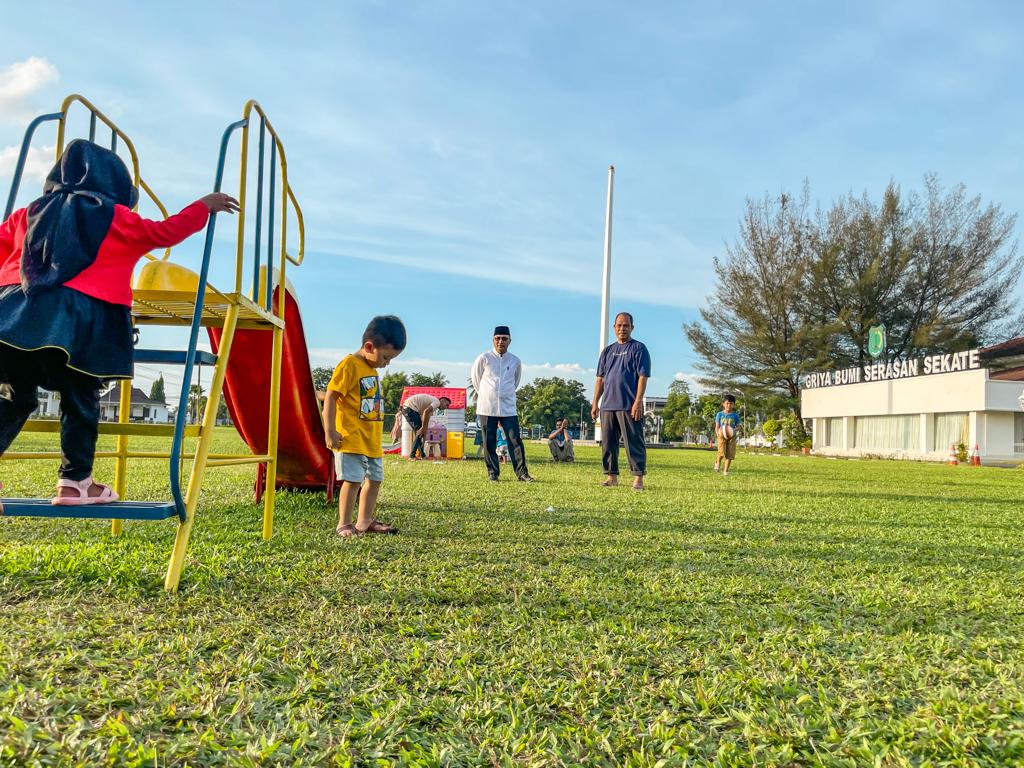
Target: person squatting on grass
[(66, 264), (560, 443), (622, 374), (417, 411), (727, 421), (354, 422)]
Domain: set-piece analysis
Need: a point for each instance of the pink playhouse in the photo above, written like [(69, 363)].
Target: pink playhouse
[(447, 429)]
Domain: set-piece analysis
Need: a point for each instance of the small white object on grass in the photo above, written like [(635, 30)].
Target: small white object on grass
[(550, 509)]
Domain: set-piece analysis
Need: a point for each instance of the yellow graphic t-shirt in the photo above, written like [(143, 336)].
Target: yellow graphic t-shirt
[(360, 412)]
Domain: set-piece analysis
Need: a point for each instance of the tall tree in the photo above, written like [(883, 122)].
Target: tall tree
[(436, 379), (196, 402), (758, 330), (321, 378), (677, 411), (156, 392), (391, 385), (543, 401), (939, 270)]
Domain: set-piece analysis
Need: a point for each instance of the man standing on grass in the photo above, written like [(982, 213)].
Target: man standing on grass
[(622, 374), (495, 375)]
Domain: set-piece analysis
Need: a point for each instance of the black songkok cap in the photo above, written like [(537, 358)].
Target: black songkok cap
[(502, 330)]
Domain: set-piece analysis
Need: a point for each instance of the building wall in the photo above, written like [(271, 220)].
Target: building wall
[(990, 407), (942, 393)]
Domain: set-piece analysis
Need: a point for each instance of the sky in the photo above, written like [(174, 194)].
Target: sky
[(451, 158)]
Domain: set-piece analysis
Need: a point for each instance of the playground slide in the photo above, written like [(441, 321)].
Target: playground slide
[(303, 460)]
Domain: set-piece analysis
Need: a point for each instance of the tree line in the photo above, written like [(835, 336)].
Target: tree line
[(800, 287)]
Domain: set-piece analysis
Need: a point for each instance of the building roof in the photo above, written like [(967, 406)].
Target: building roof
[(113, 397), (1008, 374), (1009, 348)]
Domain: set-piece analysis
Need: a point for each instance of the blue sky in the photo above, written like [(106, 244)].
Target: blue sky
[(451, 157)]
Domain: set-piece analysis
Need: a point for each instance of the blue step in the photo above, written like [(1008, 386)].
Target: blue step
[(172, 357), (118, 510)]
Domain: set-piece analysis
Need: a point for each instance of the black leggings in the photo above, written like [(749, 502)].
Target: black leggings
[(24, 373)]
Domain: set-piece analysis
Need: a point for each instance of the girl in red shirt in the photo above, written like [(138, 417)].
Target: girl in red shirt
[(66, 265)]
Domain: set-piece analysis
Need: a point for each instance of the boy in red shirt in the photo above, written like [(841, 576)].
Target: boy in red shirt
[(66, 266)]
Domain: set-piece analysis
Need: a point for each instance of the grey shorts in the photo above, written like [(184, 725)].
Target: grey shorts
[(354, 468)]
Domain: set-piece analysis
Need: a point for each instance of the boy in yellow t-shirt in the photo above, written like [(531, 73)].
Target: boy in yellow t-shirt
[(353, 420)]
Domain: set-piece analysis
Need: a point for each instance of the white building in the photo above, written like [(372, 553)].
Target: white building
[(49, 405), (918, 409), (143, 408)]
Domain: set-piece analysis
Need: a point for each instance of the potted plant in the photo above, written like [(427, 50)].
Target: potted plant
[(805, 446)]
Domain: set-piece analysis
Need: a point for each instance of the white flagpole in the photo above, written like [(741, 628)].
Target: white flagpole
[(607, 259), (607, 279)]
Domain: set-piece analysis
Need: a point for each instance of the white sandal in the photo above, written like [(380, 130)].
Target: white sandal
[(106, 496)]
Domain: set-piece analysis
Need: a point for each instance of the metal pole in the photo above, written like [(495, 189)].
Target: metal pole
[(607, 277), (607, 259)]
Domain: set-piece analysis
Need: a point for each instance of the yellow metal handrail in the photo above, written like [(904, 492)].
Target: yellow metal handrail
[(65, 107)]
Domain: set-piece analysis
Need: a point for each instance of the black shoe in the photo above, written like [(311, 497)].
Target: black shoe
[(527, 479), (492, 478)]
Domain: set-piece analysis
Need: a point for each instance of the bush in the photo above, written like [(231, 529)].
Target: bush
[(961, 453), (793, 432), (770, 429)]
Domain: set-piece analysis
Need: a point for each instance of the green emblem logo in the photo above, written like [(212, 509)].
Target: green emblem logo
[(876, 340)]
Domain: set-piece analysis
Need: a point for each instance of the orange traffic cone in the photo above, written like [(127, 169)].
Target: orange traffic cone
[(975, 457), (952, 455)]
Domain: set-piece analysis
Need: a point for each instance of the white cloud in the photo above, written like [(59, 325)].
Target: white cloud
[(19, 81), (37, 164)]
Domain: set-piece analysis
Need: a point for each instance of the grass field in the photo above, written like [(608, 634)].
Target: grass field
[(799, 612)]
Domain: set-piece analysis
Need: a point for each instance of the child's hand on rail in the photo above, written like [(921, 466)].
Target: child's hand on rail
[(219, 202)]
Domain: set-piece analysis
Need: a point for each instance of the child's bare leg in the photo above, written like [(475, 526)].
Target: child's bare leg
[(346, 502), (368, 504)]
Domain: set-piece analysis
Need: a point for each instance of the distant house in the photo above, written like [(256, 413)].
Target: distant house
[(49, 405), (144, 408)]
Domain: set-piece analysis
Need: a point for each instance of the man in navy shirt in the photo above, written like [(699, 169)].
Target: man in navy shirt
[(622, 374)]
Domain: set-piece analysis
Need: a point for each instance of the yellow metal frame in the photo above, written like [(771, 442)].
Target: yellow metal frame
[(173, 303)]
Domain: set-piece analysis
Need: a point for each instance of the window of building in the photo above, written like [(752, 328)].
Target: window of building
[(834, 432), (950, 429), (1018, 433), (887, 433)]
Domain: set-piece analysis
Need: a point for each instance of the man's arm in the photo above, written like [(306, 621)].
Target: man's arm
[(519, 371), (476, 373), (637, 411), (425, 418), (598, 389)]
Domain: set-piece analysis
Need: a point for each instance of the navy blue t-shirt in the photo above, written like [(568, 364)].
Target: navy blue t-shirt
[(621, 365)]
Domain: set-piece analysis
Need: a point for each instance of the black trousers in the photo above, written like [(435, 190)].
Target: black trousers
[(489, 426), (415, 421), (616, 425), (24, 373)]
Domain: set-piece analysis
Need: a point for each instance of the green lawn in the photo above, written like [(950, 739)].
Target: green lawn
[(801, 611)]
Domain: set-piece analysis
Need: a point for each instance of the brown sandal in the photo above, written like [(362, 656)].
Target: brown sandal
[(348, 531), (376, 526)]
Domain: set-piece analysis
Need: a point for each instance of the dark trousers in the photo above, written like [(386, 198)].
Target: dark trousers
[(489, 426), (415, 421), (24, 373), (616, 425)]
